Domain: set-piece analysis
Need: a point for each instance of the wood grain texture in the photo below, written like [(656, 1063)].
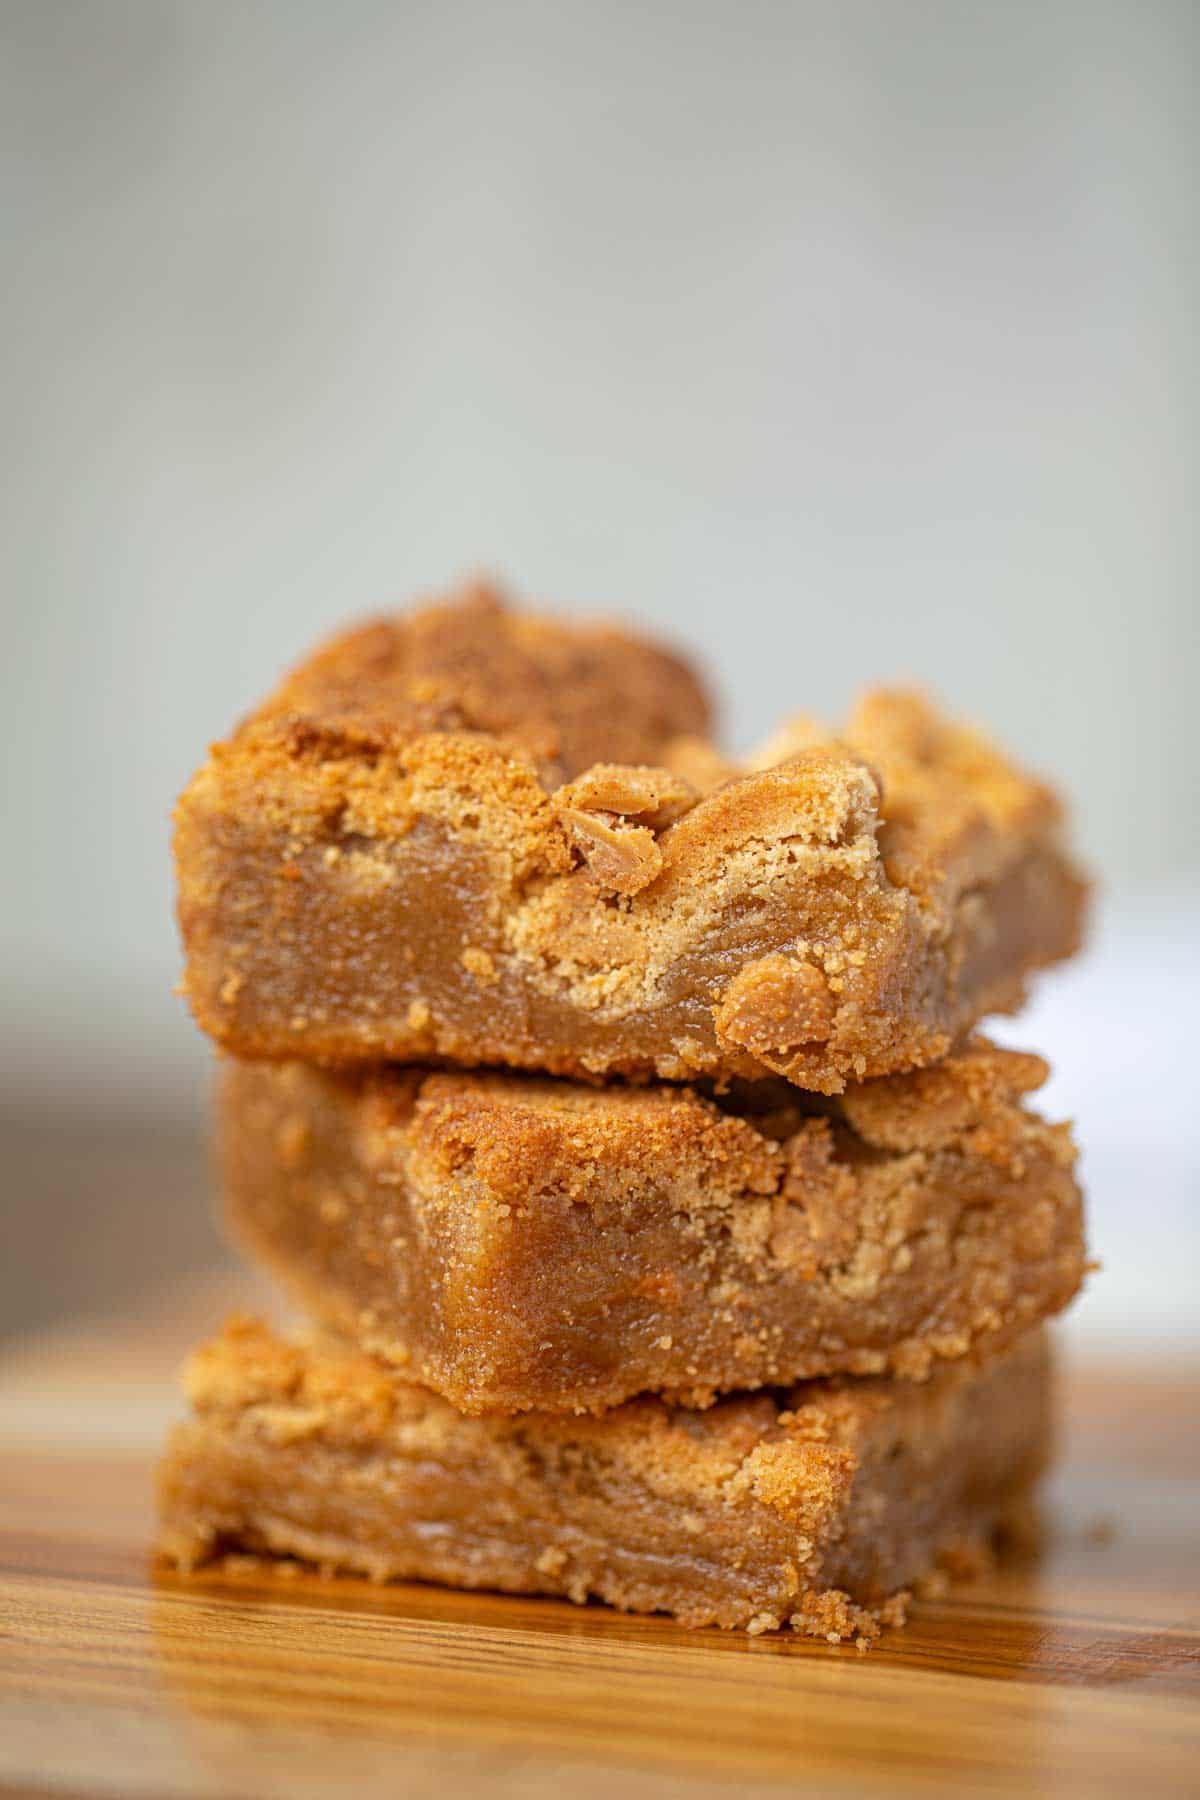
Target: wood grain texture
[(1077, 1673)]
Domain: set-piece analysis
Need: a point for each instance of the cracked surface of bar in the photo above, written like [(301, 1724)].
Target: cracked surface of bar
[(518, 1243), (467, 836), (815, 1507)]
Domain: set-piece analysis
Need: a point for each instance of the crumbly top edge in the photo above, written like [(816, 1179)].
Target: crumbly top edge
[(936, 805), (517, 1130), (563, 693), (787, 1449)]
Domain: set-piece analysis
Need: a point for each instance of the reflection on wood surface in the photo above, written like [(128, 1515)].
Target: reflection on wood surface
[(1079, 1672)]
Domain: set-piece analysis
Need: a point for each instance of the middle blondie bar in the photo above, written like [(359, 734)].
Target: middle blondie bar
[(521, 1243)]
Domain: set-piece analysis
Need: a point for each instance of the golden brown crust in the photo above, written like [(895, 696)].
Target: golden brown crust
[(349, 895), (809, 1508), (517, 1243), (472, 664)]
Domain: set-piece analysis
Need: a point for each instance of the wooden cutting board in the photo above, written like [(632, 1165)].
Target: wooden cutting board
[(1079, 1674)]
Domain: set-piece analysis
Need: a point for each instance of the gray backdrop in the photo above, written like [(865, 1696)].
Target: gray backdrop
[(848, 341)]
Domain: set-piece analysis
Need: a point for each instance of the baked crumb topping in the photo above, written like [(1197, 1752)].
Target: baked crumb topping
[(840, 913)]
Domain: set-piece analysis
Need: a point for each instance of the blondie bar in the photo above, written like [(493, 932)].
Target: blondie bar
[(813, 1507), (469, 837), (520, 1243)]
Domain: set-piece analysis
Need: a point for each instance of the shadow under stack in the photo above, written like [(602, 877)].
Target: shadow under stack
[(616, 1113)]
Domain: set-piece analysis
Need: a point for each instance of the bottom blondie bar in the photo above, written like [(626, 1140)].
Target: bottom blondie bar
[(813, 1507)]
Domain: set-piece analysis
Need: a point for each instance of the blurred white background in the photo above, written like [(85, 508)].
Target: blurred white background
[(847, 341)]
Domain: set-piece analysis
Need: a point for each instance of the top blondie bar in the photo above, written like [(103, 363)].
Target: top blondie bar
[(472, 836)]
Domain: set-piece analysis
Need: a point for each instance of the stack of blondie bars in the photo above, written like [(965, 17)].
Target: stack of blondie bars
[(614, 1112)]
